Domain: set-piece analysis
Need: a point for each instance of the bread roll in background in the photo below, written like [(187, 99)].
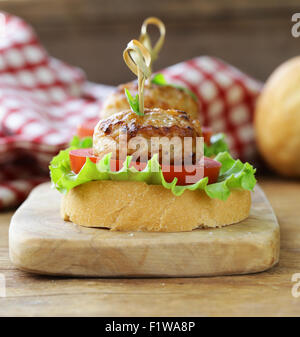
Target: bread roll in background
[(136, 206), (277, 119)]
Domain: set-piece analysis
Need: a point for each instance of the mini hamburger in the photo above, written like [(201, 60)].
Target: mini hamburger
[(157, 93), (127, 181)]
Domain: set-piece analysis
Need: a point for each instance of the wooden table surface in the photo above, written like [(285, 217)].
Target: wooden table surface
[(264, 294)]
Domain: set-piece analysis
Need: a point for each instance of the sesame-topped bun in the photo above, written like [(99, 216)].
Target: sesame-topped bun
[(157, 122), (164, 97)]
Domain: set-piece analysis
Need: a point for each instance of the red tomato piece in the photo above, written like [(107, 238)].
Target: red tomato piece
[(87, 129), (206, 133), (211, 167), (78, 158)]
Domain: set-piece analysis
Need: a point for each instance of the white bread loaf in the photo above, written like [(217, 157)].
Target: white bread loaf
[(136, 206), (277, 119)]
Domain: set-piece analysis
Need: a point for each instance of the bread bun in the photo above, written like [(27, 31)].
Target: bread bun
[(277, 119), (136, 206)]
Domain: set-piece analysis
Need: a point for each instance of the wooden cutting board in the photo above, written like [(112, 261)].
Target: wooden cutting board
[(41, 242)]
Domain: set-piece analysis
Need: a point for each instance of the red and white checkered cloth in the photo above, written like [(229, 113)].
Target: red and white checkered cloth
[(42, 100)]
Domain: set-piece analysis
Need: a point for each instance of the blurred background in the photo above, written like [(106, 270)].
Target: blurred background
[(253, 35)]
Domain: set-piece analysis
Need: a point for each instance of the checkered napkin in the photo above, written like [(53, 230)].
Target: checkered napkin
[(42, 100)]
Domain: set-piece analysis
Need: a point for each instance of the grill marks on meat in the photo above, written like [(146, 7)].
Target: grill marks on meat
[(155, 123)]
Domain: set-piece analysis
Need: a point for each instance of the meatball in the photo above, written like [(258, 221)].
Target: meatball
[(164, 97), (158, 131)]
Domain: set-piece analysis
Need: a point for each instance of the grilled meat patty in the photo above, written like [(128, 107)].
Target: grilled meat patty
[(148, 134), (164, 97)]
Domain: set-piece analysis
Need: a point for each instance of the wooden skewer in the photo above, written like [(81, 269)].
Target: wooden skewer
[(138, 60), (145, 38)]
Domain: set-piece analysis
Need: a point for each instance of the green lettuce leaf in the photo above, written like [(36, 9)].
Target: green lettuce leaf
[(81, 143), (159, 79), (217, 145), (133, 102), (233, 175)]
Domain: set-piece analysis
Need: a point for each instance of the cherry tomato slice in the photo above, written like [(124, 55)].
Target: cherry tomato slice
[(78, 158), (87, 130), (206, 134), (211, 167)]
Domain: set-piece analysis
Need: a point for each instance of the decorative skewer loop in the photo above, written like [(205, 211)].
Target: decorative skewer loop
[(138, 60), (145, 38)]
